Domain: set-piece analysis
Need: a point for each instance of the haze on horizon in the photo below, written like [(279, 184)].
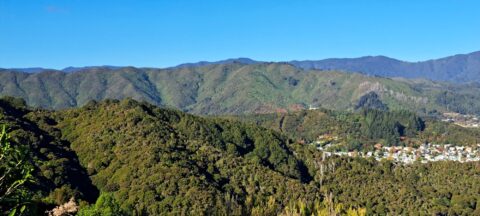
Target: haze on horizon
[(58, 34)]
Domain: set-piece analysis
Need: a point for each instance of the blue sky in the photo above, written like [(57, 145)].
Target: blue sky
[(57, 34)]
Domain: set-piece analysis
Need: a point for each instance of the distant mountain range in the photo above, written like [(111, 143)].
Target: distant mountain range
[(67, 69), (462, 68), (226, 61), (236, 88), (29, 70), (458, 68)]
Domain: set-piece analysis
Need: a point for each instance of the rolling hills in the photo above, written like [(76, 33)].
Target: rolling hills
[(134, 158), (236, 88)]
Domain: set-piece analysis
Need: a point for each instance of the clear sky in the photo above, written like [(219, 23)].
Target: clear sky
[(57, 34)]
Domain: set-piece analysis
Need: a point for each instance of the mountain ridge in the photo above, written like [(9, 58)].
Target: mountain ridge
[(236, 88), (459, 68)]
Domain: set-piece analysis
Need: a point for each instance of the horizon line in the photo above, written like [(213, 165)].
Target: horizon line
[(233, 58)]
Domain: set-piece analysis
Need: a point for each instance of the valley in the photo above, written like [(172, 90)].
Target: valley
[(239, 108), (238, 88)]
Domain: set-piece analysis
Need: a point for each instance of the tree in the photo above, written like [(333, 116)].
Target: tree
[(15, 172), (106, 205), (371, 101)]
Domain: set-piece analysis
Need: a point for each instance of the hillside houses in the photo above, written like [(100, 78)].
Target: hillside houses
[(471, 121), (424, 154)]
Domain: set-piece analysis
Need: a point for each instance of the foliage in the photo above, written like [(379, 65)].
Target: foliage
[(390, 125), (178, 162), (363, 129), (106, 205), (15, 172), (57, 174), (146, 160), (371, 101), (439, 188), (324, 208)]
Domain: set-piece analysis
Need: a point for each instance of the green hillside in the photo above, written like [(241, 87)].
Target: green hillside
[(154, 160), (235, 88), (363, 129), (134, 158)]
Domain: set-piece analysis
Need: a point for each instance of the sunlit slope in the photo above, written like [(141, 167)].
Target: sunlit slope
[(235, 88)]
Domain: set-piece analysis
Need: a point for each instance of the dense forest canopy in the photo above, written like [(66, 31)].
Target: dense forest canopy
[(363, 129), (133, 158)]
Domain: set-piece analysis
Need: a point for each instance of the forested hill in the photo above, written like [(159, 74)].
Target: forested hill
[(135, 158), (363, 129), (236, 88), (154, 161)]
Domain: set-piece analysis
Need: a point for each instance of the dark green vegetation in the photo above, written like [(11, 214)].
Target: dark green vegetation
[(236, 88), (15, 171), (156, 160), (57, 173), (371, 101), (363, 129), (127, 157), (441, 188)]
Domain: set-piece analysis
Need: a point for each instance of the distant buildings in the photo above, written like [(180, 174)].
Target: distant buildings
[(461, 120), (310, 107), (424, 154)]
